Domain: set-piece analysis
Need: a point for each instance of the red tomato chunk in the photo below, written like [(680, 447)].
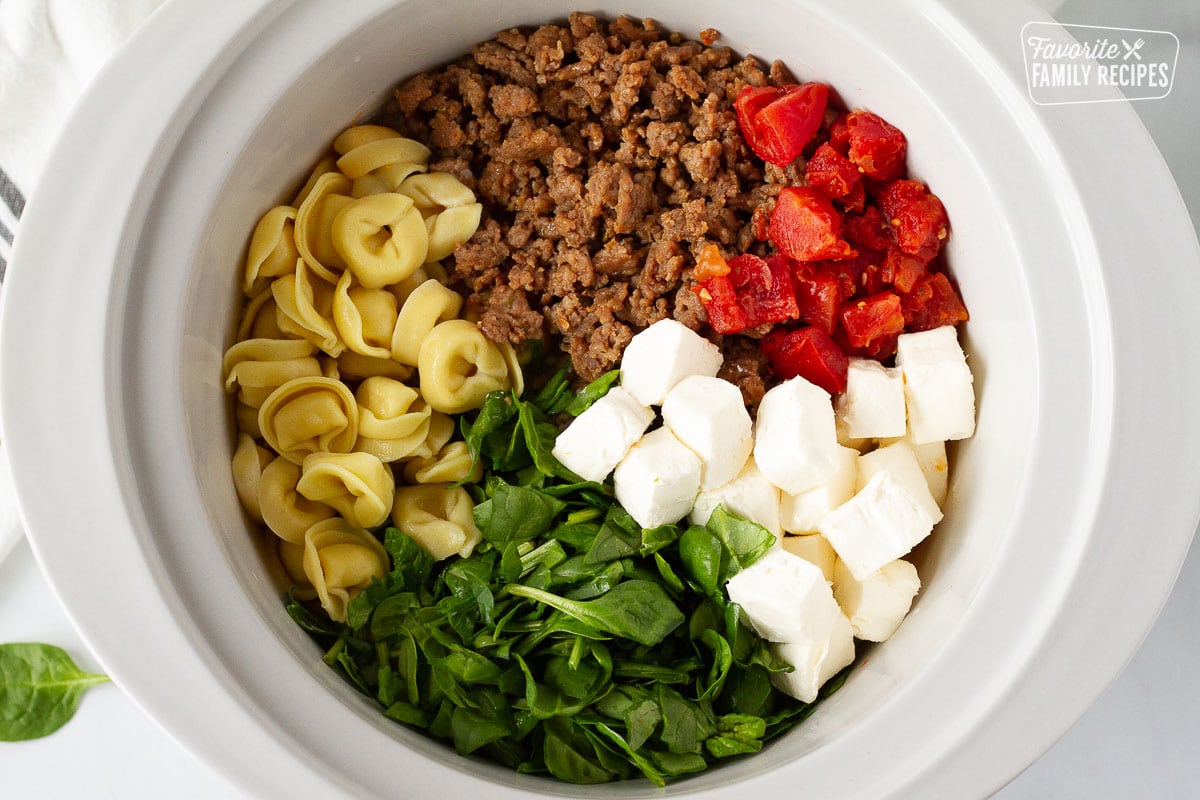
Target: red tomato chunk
[(932, 303), (806, 227), (778, 122), (872, 320), (819, 294), (831, 172), (917, 218), (809, 353), (875, 146), (764, 288)]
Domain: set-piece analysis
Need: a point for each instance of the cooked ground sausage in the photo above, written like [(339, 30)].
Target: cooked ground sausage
[(606, 155)]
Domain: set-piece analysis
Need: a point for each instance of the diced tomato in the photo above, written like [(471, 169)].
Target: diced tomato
[(854, 202), (831, 172), (720, 302), (902, 270), (916, 217), (839, 135), (710, 264), (809, 353), (932, 303), (806, 227), (819, 294), (868, 229), (876, 146), (786, 123), (764, 288), (750, 101), (857, 276), (871, 319)]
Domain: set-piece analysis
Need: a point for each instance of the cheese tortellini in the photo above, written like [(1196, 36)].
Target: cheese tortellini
[(350, 361), (459, 366), (437, 516), (358, 485), (340, 560), (309, 415)]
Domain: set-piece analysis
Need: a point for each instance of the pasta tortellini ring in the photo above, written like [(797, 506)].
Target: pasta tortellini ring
[(381, 238), (354, 366), (393, 420), (449, 208), (365, 318), (370, 156), (438, 517), (328, 163), (309, 415), (291, 556), (385, 179), (304, 309), (358, 135), (314, 225), (260, 320), (286, 512), (358, 485), (452, 464), (340, 561), (458, 366), (249, 461), (441, 431), (425, 307), (272, 250), (257, 367)]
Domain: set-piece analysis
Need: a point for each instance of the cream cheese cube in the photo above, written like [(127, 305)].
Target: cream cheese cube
[(899, 459), (657, 480), (785, 599), (934, 463), (661, 356), (709, 416), (598, 438), (872, 404), (749, 495), (937, 385), (877, 605), (813, 661), (800, 513), (881, 523), (815, 549), (795, 444)]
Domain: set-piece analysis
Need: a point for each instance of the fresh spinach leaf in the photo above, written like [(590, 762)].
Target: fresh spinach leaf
[(591, 393), (40, 689), (636, 609)]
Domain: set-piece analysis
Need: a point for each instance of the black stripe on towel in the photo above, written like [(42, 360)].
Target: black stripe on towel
[(11, 195)]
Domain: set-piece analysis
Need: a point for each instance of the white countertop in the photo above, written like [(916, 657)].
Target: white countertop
[(1140, 739)]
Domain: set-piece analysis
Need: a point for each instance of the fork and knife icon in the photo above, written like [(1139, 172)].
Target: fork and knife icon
[(1131, 50)]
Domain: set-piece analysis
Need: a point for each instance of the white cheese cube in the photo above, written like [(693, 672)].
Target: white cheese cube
[(934, 463), (661, 356), (876, 606), (795, 444), (872, 404), (937, 385), (800, 513), (814, 661), (708, 415), (846, 440), (599, 437), (881, 523), (657, 480), (749, 495), (785, 598), (899, 459), (815, 549)]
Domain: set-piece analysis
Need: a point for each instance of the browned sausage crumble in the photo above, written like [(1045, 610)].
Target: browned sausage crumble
[(606, 155)]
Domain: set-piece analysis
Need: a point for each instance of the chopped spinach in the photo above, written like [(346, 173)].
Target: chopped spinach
[(572, 642)]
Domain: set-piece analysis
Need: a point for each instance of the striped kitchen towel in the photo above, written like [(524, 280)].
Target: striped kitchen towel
[(49, 51)]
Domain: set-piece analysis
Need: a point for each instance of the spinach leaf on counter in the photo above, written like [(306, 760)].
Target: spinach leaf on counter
[(573, 641), (40, 690)]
